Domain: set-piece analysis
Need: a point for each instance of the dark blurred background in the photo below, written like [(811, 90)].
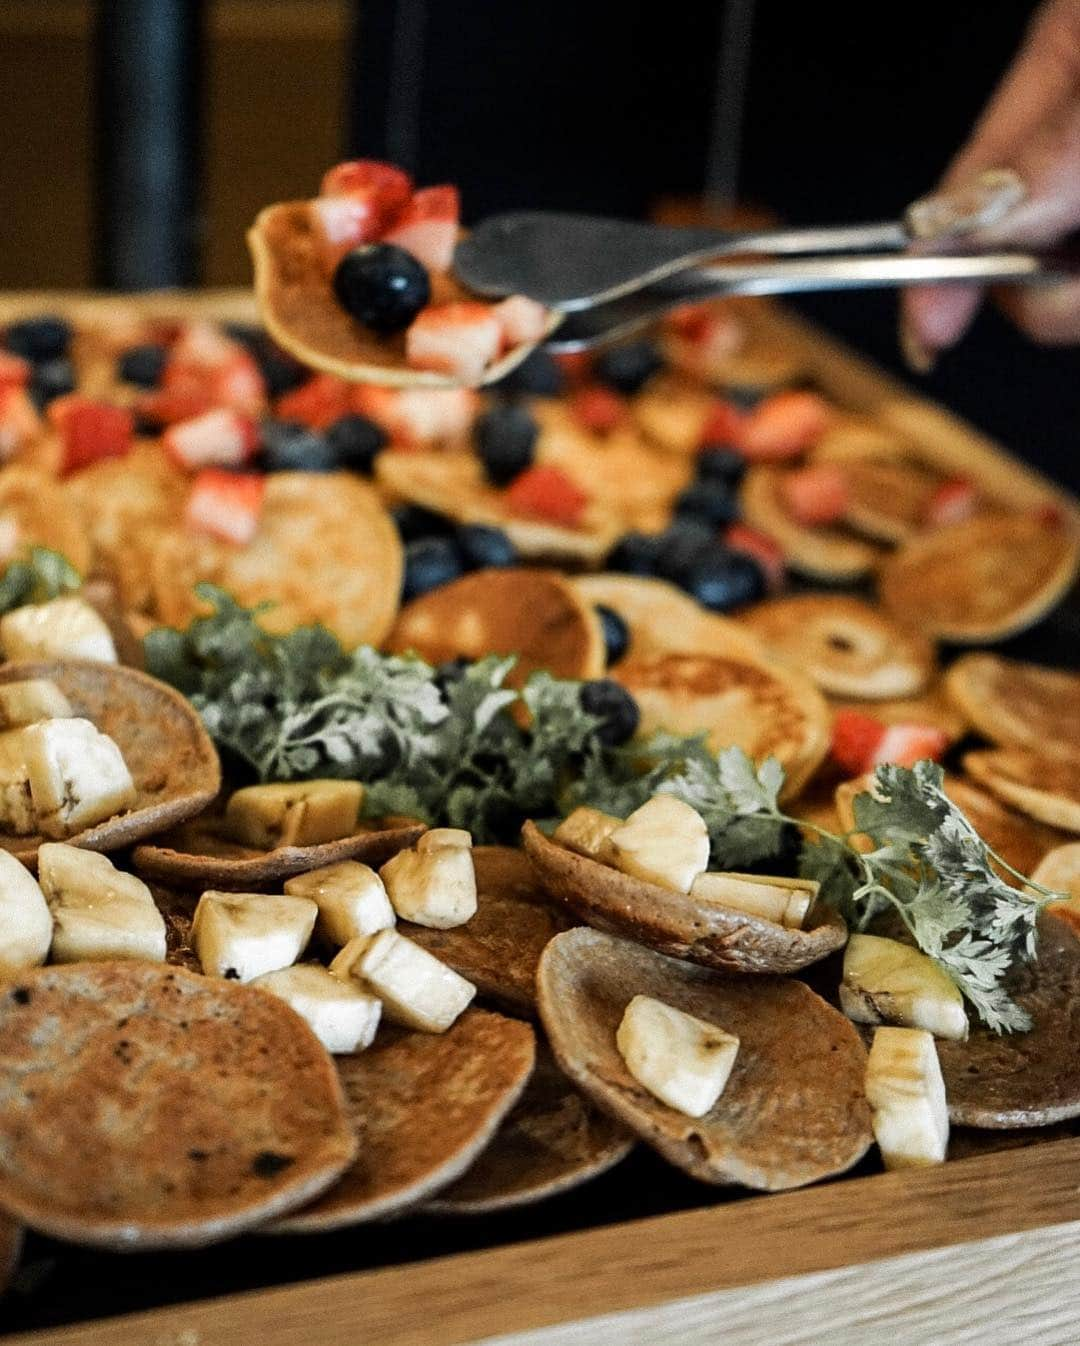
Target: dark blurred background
[(850, 110)]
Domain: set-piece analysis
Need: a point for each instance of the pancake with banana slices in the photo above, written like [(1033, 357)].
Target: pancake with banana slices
[(1018, 705), (823, 553), (1044, 788), (983, 579), (844, 645), (793, 1110)]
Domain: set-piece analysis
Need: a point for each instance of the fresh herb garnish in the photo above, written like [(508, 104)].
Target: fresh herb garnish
[(43, 576), (447, 749)]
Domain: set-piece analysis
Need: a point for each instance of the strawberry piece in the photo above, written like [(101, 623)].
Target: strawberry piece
[(221, 438), (597, 409), (339, 224), (576, 366), (705, 336), (428, 227), (205, 361), (764, 549), (225, 505), (460, 340), (783, 426), (359, 201), (413, 417), (14, 370), (546, 492), (90, 431), (906, 744), (817, 494), (165, 406), (19, 419), (523, 321), (384, 186), (861, 742), (723, 424), (318, 403), (953, 502), (201, 345)]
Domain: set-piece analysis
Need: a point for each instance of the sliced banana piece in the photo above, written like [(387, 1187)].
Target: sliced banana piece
[(27, 702), (437, 837), (294, 813), (26, 924), (77, 775), (65, 628), (16, 802), (99, 912), (242, 935), (351, 900), (435, 887), (341, 1016), (682, 1060), (783, 901), (588, 831), (906, 1094), (889, 982), (417, 990), (664, 841)]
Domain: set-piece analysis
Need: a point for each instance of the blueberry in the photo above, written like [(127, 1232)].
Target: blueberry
[(357, 442), (634, 554), (718, 463), (44, 338), (628, 368), (745, 396), (682, 546), (538, 375), (616, 633), (290, 447), (52, 378), (248, 334), (614, 707), (142, 365), (281, 372), (414, 522), (710, 501), (382, 286), (725, 580), (429, 563), (505, 438), (482, 547)]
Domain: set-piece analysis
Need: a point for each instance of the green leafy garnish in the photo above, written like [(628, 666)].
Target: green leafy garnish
[(446, 748), (43, 576)]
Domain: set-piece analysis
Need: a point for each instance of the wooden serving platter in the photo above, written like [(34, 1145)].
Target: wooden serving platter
[(980, 1249)]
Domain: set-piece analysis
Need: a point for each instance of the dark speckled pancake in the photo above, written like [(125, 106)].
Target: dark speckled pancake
[(793, 1111)]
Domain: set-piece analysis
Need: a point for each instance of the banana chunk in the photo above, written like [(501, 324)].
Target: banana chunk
[(416, 990), (588, 832), (65, 628), (437, 837), (351, 900), (27, 702), (16, 802), (682, 1060), (77, 775), (294, 813), (906, 1094), (888, 982), (436, 888), (98, 911), (664, 842), (783, 901), (242, 935), (26, 924), (341, 1016)]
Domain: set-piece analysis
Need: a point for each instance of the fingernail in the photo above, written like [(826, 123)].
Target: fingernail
[(979, 203), (918, 357)]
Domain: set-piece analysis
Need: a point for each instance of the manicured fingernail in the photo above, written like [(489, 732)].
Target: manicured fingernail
[(981, 202), (918, 357)]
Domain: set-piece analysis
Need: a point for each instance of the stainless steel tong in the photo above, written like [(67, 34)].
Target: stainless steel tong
[(611, 277)]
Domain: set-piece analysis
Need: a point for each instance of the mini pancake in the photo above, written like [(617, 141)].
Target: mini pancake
[(663, 619), (674, 923), (845, 646), (300, 311), (765, 709), (931, 707), (134, 1134), (672, 413), (454, 485), (325, 551), (11, 1241), (1024, 1079), (1044, 788), (793, 1111), (170, 756), (498, 948), (823, 553), (855, 440), (534, 614), (983, 579), (888, 500), (423, 1106), (1018, 705), (199, 854), (554, 1139), (34, 513)]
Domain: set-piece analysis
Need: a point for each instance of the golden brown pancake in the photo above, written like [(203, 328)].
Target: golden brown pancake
[(823, 553), (854, 439), (1018, 705), (888, 500), (34, 512), (1044, 788)]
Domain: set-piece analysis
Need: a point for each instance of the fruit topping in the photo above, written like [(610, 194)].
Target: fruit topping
[(142, 365), (722, 580), (430, 562), (614, 707), (716, 463), (459, 339), (783, 426), (598, 410), (505, 438), (288, 446), (954, 501), (768, 553), (427, 227), (817, 494), (226, 505), (861, 742), (616, 633), (483, 547), (90, 431), (711, 501), (44, 338), (382, 286), (355, 442), (317, 403), (545, 492), (627, 369), (220, 438)]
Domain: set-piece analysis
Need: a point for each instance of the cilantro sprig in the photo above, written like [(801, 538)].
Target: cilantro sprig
[(444, 746), (42, 576)]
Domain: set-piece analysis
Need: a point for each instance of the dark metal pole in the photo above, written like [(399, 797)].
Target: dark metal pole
[(147, 112)]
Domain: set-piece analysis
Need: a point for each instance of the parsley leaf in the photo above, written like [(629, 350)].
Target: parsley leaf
[(42, 576)]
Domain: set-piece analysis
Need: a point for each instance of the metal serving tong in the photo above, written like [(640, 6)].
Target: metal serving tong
[(611, 277)]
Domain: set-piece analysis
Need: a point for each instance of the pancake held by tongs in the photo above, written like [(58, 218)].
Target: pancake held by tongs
[(793, 1110)]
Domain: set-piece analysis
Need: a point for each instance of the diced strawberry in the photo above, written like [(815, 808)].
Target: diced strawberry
[(90, 431), (705, 337), (319, 402), (576, 366), (428, 227), (523, 320), (339, 224), (764, 549), (19, 420), (954, 501), (204, 360), (723, 424), (14, 370), (816, 494), (906, 744), (783, 426), (386, 187), (546, 492), (225, 504), (459, 339), (861, 742), (597, 409), (165, 406), (202, 344), (414, 417), (221, 438)]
